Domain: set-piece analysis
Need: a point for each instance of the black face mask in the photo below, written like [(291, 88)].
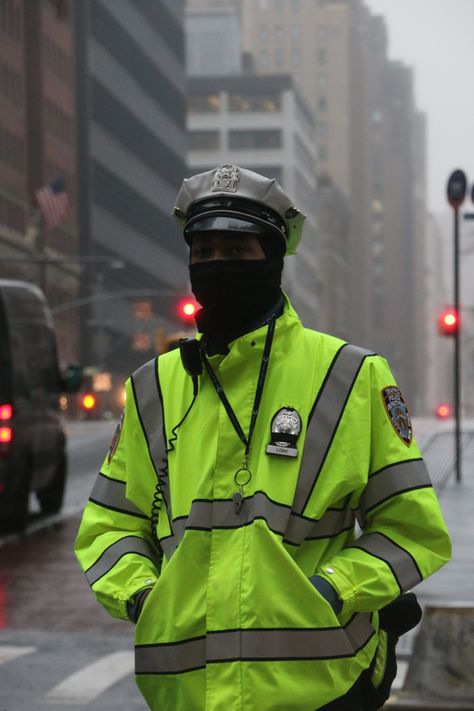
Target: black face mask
[(234, 293)]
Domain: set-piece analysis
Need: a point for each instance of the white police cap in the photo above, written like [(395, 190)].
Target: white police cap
[(237, 199)]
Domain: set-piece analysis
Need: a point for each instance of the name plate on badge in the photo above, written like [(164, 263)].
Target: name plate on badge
[(282, 451)]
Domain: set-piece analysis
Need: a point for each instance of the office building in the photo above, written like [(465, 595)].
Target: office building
[(132, 138)]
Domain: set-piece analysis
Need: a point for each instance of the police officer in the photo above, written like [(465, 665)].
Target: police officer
[(223, 521)]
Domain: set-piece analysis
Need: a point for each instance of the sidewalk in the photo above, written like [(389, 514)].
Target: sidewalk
[(448, 600)]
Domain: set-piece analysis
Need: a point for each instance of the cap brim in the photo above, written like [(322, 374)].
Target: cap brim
[(222, 223)]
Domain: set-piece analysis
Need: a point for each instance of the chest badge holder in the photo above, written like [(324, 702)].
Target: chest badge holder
[(285, 428)]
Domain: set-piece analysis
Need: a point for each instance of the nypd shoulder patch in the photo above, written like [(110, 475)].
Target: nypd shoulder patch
[(397, 412), (115, 439)]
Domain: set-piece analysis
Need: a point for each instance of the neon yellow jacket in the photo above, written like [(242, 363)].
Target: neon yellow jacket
[(232, 621)]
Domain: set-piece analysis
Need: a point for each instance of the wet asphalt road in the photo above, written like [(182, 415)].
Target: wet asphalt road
[(58, 648)]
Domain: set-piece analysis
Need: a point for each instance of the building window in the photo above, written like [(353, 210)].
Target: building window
[(296, 5), (323, 152), (263, 33), (11, 85), (322, 56), (322, 103), (296, 57), (257, 139), (57, 60), (10, 19), (205, 140), (204, 103), (12, 151), (12, 215), (322, 129), (264, 59), (279, 57), (322, 82), (263, 5), (241, 102), (322, 34), (279, 33), (296, 32), (57, 122), (279, 5)]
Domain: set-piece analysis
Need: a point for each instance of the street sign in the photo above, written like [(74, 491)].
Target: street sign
[(456, 188)]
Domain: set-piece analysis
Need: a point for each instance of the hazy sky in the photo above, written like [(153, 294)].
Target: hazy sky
[(436, 38)]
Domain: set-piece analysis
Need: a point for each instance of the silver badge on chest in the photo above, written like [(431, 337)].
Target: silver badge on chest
[(286, 428), (226, 178)]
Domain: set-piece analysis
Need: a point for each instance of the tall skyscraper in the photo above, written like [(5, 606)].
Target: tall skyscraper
[(263, 123), (38, 145), (370, 162), (131, 117)]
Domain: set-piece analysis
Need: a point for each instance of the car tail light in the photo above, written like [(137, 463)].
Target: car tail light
[(6, 412), (6, 431), (6, 435)]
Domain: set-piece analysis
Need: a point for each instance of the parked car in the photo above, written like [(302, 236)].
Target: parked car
[(32, 434)]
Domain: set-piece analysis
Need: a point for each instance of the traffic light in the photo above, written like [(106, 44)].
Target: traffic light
[(448, 322), (187, 308), (88, 402), (443, 411)]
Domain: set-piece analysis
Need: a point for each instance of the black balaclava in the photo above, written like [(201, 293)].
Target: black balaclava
[(235, 293)]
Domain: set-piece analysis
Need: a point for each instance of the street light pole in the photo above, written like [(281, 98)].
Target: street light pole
[(456, 192)]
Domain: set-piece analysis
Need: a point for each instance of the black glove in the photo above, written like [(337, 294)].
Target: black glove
[(401, 615)]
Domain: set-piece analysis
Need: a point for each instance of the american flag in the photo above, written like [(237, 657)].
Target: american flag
[(53, 202)]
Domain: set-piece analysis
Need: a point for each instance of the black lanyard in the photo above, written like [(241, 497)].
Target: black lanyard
[(258, 393)]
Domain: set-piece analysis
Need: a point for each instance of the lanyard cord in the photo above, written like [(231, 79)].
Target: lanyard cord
[(258, 393)]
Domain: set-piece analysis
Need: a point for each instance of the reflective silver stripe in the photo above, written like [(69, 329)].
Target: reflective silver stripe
[(394, 479), (333, 523), (255, 645), (111, 494), (400, 562), (170, 658), (322, 427), (150, 412), (112, 554), (206, 515)]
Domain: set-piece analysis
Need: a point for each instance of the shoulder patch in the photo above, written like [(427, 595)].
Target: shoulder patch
[(397, 412), (115, 439)]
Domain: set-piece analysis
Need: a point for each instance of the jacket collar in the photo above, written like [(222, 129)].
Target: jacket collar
[(249, 346)]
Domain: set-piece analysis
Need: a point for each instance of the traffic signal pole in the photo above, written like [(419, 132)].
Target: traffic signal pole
[(457, 353), (456, 192)]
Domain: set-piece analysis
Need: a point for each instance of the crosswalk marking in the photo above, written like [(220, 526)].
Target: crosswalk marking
[(8, 653), (92, 680)]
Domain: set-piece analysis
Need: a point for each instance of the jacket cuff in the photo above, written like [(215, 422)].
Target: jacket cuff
[(328, 592), (134, 606)]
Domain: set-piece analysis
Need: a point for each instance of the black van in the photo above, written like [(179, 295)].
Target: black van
[(32, 437)]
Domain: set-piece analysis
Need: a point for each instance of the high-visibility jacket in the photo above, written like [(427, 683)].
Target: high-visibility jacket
[(232, 621)]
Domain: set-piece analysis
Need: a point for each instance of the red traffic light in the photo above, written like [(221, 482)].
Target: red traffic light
[(448, 322), (187, 308), (443, 411), (88, 401), (6, 412)]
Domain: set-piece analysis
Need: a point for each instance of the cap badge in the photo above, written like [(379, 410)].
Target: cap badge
[(225, 179), (398, 414), (285, 427)]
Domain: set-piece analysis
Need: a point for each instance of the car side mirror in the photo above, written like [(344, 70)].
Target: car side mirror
[(72, 379)]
